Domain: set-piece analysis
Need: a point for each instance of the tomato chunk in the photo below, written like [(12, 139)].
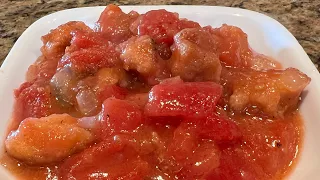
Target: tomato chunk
[(183, 99), (234, 166), (184, 142), (218, 128), (234, 49), (112, 91), (119, 115), (109, 159), (54, 46), (83, 40), (86, 61), (233, 46), (114, 24), (214, 127), (161, 25), (192, 157), (206, 157), (58, 39), (33, 100), (88, 52)]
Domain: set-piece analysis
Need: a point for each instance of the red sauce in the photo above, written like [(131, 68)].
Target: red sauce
[(153, 96)]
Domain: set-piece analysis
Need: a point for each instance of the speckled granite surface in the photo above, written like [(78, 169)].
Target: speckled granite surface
[(301, 17)]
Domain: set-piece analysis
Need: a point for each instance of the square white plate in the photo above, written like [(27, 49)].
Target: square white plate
[(266, 36)]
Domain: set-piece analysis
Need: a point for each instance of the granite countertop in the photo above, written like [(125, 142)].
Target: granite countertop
[(301, 17)]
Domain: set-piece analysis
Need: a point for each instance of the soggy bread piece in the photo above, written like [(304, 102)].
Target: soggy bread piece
[(47, 139), (194, 56), (275, 92)]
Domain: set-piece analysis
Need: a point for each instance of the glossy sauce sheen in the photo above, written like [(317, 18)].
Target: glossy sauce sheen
[(153, 96), (275, 147)]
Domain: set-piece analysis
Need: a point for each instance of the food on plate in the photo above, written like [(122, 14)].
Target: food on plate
[(154, 96), (274, 92), (194, 56), (47, 139)]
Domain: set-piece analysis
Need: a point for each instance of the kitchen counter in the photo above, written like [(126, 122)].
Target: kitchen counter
[(301, 17)]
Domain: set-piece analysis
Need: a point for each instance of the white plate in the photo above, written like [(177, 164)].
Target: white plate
[(266, 36)]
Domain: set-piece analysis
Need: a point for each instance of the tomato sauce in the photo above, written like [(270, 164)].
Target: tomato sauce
[(276, 149), (154, 96)]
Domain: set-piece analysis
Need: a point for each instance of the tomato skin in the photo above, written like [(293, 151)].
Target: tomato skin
[(183, 99)]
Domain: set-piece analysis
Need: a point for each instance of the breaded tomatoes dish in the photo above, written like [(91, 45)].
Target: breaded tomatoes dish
[(153, 96)]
